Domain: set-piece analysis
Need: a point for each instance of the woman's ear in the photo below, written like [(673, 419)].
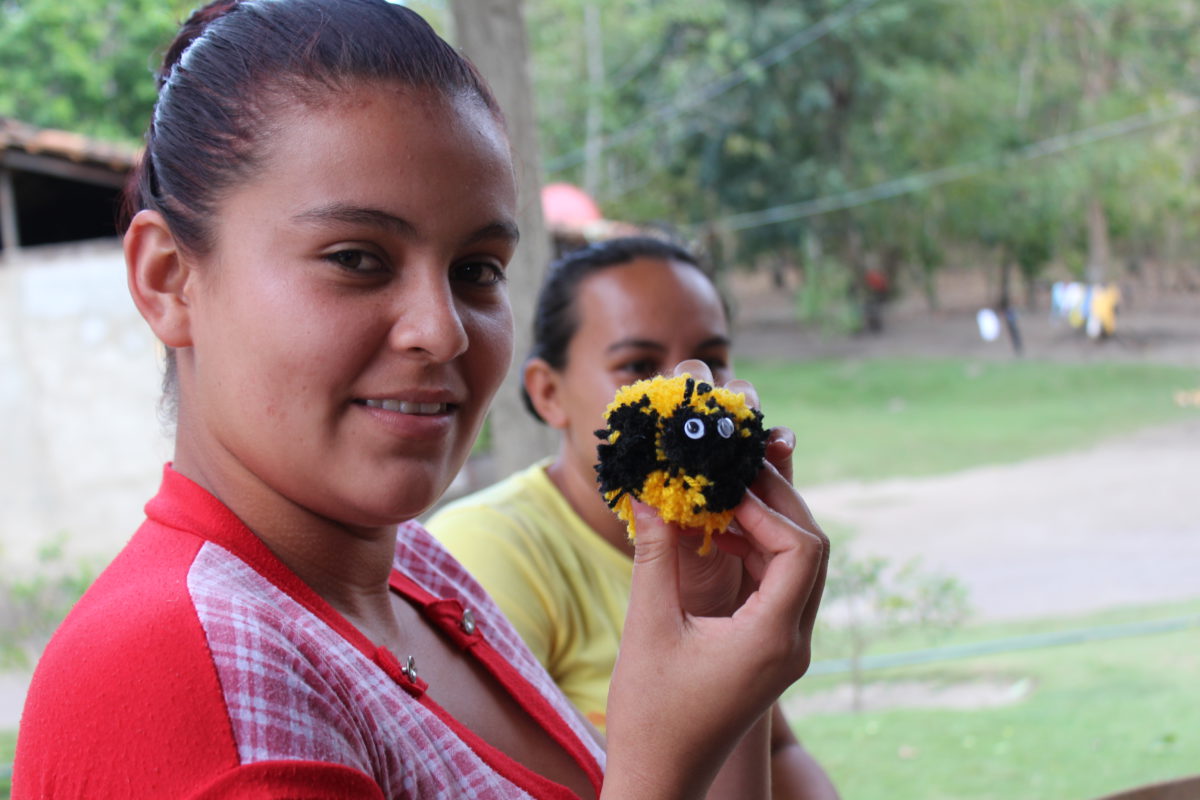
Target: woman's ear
[(544, 387), (158, 278)]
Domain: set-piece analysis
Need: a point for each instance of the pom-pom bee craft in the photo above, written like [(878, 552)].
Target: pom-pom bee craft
[(683, 446)]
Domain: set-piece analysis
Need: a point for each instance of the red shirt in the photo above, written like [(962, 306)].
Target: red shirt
[(199, 666)]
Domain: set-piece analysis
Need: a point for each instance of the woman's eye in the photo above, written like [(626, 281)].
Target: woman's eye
[(716, 364), (480, 273), (356, 261), (643, 367)]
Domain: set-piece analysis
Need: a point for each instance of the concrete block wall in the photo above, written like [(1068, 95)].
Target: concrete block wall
[(81, 444)]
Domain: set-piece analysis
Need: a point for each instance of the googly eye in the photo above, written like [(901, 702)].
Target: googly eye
[(725, 427), (693, 428)]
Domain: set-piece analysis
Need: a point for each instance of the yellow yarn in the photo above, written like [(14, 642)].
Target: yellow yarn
[(675, 499)]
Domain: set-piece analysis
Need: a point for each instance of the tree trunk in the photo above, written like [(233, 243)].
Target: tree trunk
[(852, 255), (594, 46), (1098, 248), (1029, 283), (929, 290), (492, 34), (1008, 314), (1005, 281)]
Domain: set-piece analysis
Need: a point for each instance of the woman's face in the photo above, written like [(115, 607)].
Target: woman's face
[(635, 321), (351, 324)]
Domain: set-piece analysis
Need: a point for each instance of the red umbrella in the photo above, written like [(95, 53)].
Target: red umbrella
[(568, 206)]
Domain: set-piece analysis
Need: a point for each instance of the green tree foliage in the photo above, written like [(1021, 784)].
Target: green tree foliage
[(84, 66), (899, 134)]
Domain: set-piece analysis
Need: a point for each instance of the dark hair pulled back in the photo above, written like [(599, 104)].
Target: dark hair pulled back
[(234, 62), (555, 320)]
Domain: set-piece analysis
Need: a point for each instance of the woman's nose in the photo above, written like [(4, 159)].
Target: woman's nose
[(428, 322)]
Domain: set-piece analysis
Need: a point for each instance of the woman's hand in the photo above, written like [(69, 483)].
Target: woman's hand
[(717, 583), (687, 686)]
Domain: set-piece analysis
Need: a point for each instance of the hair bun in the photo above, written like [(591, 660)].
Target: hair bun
[(192, 30)]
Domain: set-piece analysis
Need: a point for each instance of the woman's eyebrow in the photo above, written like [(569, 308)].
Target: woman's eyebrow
[(357, 215), (640, 344), (650, 344), (343, 213), (505, 230), (715, 341)]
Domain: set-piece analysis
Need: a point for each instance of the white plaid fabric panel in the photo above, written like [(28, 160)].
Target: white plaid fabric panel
[(425, 561), (296, 690)]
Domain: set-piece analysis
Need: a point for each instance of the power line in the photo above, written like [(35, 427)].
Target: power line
[(716, 88), (1035, 641), (925, 180)]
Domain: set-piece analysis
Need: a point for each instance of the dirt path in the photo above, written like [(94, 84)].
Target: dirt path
[(1114, 524)]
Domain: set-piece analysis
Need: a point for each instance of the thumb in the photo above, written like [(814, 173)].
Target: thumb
[(654, 594)]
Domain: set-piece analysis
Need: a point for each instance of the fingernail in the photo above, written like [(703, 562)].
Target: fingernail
[(784, 436), (642, 511), (695, 368)]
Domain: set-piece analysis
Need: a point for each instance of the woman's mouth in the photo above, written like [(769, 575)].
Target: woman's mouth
[(407, 407)]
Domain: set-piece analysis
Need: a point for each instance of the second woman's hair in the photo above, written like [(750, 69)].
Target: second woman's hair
[(555, 319)]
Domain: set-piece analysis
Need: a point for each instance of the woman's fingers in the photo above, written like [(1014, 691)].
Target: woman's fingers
[(738, 386), (714, 584), (794, 560), (778, 493), (694, 367), (781, 445), (701, 372), (781, 441), (773, 521), (654, 594)]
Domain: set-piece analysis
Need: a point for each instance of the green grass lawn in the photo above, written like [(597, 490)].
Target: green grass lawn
[(1101, 716), (866, 420)]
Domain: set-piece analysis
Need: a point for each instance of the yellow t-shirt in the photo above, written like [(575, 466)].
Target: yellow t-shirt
[(563, 586)]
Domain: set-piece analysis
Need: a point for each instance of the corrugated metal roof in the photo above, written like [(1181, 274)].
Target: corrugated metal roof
[(47, 142)]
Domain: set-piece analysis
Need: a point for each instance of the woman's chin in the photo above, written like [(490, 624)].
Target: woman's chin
[(412, 500), (387, 495)]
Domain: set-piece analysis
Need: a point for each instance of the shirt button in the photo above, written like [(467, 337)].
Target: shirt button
[(468, 622)]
